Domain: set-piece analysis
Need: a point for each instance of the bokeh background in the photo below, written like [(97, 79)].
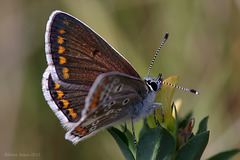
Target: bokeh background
[(203, 49)]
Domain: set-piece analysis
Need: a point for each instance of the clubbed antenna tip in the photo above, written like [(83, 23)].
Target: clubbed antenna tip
[(194, 91), (166, 36), (182, 88)]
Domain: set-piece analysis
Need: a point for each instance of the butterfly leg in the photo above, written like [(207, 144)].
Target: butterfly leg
[(154, 115), (135, 141), (154, 112)]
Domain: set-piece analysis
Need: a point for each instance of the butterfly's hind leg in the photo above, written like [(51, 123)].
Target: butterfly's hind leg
[(154, 113), (135, 141)]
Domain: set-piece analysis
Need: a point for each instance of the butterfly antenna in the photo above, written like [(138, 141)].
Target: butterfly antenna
[(164, 40), (185, 89)]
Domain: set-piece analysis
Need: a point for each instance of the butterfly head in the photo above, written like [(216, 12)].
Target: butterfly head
[(153, 83)]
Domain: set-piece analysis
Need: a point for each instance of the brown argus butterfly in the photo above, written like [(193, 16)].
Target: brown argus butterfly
[(88, 84)]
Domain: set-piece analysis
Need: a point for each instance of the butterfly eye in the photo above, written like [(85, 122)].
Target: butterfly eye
[(154, 86)]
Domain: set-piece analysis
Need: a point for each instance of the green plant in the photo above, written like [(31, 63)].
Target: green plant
[(172, 140)]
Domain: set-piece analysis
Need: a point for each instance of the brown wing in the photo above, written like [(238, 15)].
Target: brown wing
[(66, 100), (78, 54)]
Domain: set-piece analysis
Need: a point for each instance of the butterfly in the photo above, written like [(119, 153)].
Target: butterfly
[(88, 84)]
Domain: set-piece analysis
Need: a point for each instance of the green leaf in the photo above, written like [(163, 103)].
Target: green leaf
[(156, 144), (203, 125), (194, 148), (144, 128), (224, 155), (131, 144), (191, 136), (122, 142)]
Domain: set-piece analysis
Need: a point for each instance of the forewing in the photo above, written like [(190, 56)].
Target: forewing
[(77, 54)]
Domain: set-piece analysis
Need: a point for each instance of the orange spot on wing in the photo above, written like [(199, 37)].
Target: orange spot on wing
[(60, 94), (70, 110), (72, 113), (93, 106), (62, 60), (65, 73), (61, 31), (60, 40), (56, 85), (96, 98), (80, 130), (85, 133), (61, 49), (65, 103)]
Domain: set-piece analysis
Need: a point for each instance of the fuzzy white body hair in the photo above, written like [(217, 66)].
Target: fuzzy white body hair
[(143, 108)]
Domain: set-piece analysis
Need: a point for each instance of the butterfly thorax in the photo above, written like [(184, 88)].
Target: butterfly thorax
[(143, 108)]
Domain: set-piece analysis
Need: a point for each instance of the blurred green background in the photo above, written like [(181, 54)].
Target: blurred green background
[(203, 49)]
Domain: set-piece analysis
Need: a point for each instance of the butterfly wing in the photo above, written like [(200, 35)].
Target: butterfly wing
[(109, 101), (66, 100), (76, 55)]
